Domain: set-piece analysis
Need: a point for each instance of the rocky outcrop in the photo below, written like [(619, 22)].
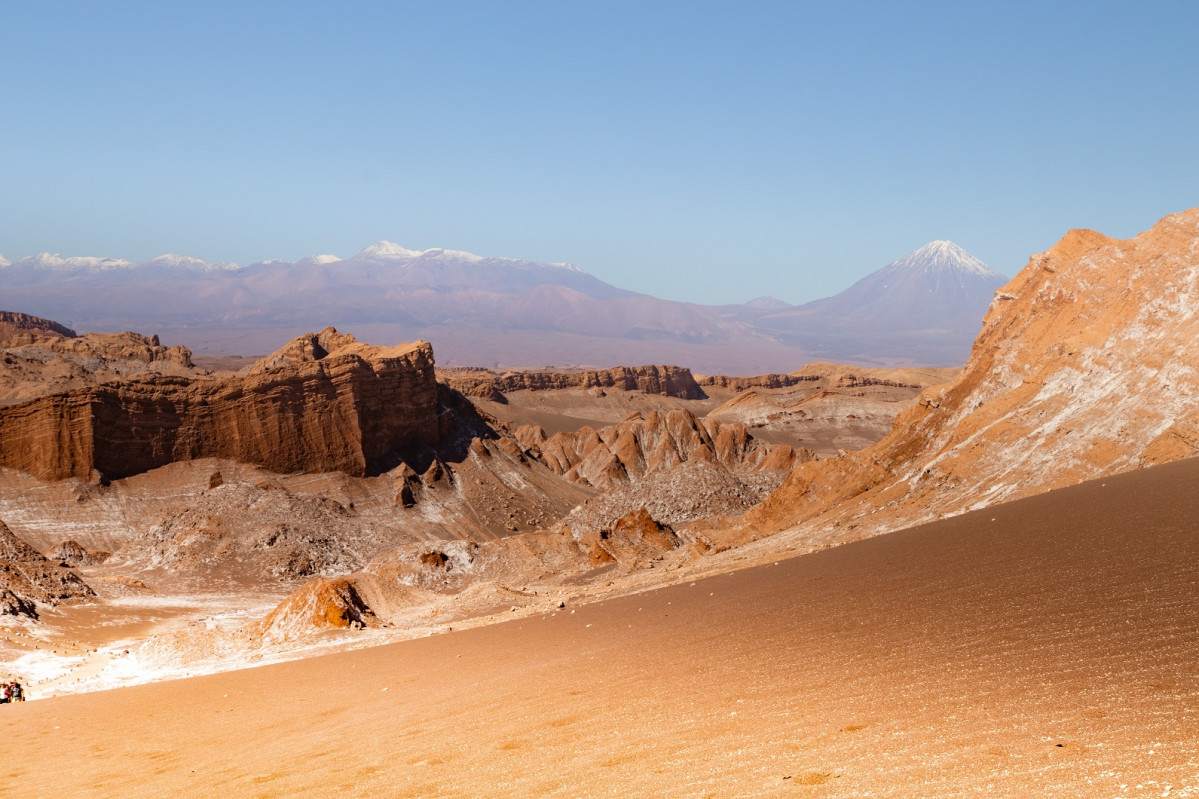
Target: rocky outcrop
[(13, 325), (757, 381), (38, 362), (643, 444), (1084, 368), (27, 578), (632, 541), (325, 603), (72, 553), (823, 376), (98, 350), (670, 381), (323, 403)]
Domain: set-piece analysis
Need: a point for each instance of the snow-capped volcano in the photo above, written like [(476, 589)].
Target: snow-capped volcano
[(942, 256), (929, 305)]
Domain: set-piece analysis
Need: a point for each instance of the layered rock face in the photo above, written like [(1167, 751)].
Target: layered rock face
[(670, 381), (323, 403), (1086, 366)]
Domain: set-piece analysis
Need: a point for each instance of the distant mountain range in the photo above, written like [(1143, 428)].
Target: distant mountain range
[(925, 308)]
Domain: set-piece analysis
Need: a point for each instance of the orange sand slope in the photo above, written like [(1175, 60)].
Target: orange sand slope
[(1048, 647)]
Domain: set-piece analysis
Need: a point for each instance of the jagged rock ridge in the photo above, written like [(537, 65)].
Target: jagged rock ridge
[(643, 444), (669, 381)]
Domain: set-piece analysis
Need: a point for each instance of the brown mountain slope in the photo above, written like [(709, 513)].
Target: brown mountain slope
[(1045, 648), (1085, 367)]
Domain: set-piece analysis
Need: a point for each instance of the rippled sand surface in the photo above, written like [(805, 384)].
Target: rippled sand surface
[(1049, 647)]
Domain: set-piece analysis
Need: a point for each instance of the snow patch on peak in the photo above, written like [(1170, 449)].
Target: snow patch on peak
[(457, 255), (316, 260), (387, 250), (187, 262), (55, 261), (942, 256)]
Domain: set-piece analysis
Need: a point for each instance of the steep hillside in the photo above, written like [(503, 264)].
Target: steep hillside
[(1044, 649), (1085, 367)]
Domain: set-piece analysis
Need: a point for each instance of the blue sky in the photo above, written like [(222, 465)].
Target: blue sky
[(710, 152)]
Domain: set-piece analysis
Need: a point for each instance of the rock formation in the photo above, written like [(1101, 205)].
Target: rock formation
[(757, 381), (14, 325), (320, 604), (38, 358), (632, 541), (670, 381), (821, 376), (647, 443), (27, 578), (323, 403), (99, 349), (72, 553)]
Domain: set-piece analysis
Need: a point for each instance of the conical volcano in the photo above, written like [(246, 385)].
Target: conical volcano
[(925, 307)]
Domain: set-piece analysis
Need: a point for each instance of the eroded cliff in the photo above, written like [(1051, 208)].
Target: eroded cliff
[(323, 403)]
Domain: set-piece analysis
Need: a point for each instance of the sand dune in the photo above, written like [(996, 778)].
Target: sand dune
[(1047, 647)]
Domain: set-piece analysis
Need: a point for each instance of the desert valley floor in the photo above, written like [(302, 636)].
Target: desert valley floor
[(1044, 647)]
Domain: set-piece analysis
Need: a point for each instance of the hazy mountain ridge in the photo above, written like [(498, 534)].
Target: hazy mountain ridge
[(924, 308)]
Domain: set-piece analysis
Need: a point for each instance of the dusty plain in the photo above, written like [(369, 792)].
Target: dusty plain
[(1046, 647)]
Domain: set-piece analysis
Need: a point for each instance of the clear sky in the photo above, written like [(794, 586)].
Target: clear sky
[(701, 151)]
